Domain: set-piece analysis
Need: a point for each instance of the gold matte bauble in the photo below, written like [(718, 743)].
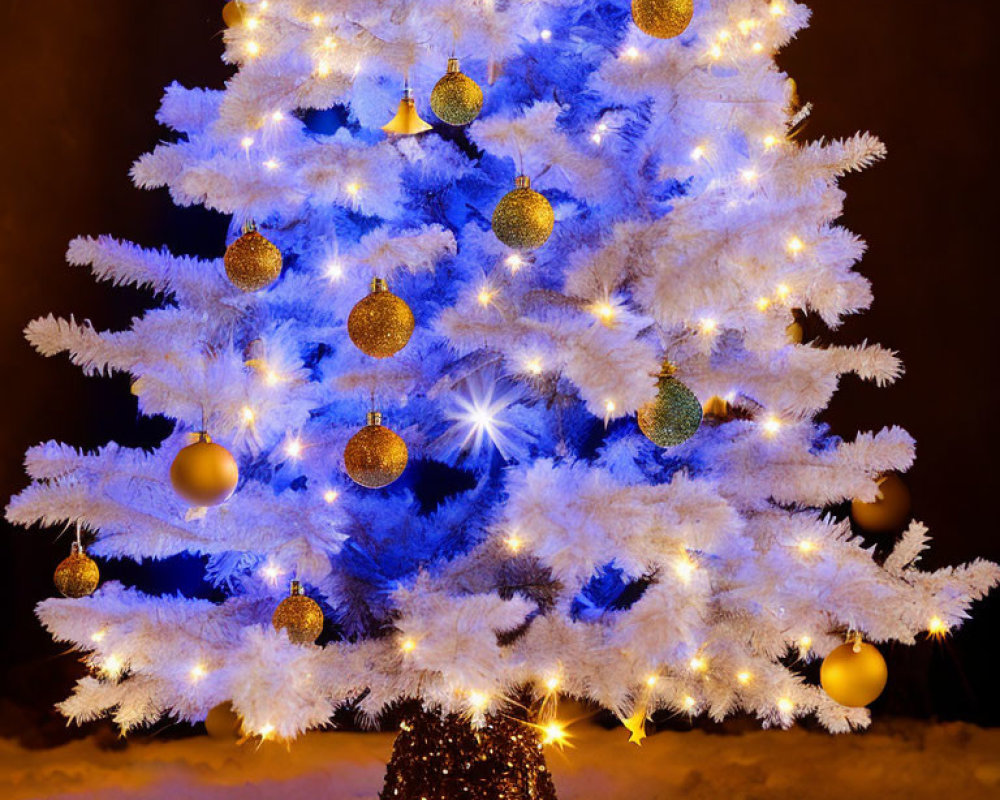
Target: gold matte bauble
[(298, 615), (795, 332), (456, 98), (77, 575), (407, 121), (223, 722), (889, 512), (381, 324), (204, 473), (234, 14), (673, 417), (854, 674), (252, 262), (663, 19), (523, 219), (375, 456)]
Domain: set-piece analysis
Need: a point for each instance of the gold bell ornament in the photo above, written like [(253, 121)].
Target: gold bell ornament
[(204, 473), (298, 615), (380, 324), (523, 219), (77, 575), (663, 19), (407, 121), (252, 262), (456, 98), (889, 511), (375, 456), (854, 674)]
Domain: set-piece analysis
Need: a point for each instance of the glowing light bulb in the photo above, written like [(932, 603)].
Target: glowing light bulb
[(782, 290), (485, 296), (246, 142), (553, 732), (785, 706), (293, 448), (749, 175), (533, 366), (698, 153), (247, 415), (546, 35), (552, 684), (632, 53), (807, 546), (763, 303), (684, 568), (98, 636), (408, 645), (514, 543), (272, 163), (596, 138), (796, 245), (708, 326), (688, 702), (252, 49), (271, 573), (329, 43), (698, 664), (770, 141), (478, 700), (316, 19), (514, 262), (352, 189), (744, 677), (777, 9), (271, 378), (333, 271), (937, 627), (197, 673), (757, 47), (746, 25), (610, 406), (277, 116), (805, 643), (112, 666), (266, 732), (331, 495), (253, 23), (652, 680), (771, 426), (323, 69)]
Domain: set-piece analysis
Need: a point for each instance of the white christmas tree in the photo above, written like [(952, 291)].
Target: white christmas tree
[(558, 550)]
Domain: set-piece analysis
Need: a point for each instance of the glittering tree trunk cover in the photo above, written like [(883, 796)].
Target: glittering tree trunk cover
[(444, 758)]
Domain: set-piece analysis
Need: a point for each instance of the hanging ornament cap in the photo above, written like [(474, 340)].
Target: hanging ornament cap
[(407, 121), (381, 323), (77, 575), (523, 219), (456, 98)]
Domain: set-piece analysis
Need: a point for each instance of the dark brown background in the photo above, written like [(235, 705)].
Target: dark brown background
[(82, 81)]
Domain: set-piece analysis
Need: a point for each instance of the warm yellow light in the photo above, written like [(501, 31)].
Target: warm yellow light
[(317, 20), (353, 188), (553, 733), (552, 684), (271, 378), (805, 643), (98, 636), (331, 495), (246, 142), (278, 116), (610, 406), (684, 569), (770, 141), (271, 163), (271, 572), (253, 49), (266, 732), (772, 425), (246, 413), (777, 9), (408, 645), (478, 700), (782, 290), (333, 271), (323, 69), (763, 303), (749, 175), (485, 296), (112, 666), (253, 23), (937, 627), (796, 245), (197, 672), (514, 543), (744, 677), (715, 51), (785, 706), (534, 366), (757, 47), (652, 680), (698, 153), (708, 326), (604, 311), (596, 138), (807, 546), (514, 262), (698, 664), (746, 25), (293, 448), (723, 36), (632, 53), (688, 702), (546, 35)]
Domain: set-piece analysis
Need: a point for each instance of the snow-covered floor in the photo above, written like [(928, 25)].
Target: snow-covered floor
[(894, 760)]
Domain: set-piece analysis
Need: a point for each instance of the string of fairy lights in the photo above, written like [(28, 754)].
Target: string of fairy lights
[(204, 473)]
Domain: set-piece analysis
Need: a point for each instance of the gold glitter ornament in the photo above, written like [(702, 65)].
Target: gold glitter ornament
[(77, 575), (456, 98), (854, 674), (889, 511), (204, 473), (381, 324), (674, 416), (234, 13), (407, 121), (298, 615), (375, 456), (523, 219), (663, 19), (252, 262)]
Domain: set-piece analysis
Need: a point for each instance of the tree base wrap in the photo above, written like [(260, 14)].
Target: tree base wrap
[(448, 759)]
